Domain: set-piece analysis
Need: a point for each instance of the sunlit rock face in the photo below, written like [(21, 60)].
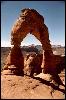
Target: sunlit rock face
[(29, 21), (15, 60), (32, 64)]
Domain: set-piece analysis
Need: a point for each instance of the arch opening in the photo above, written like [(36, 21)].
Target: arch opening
[(29, 40)]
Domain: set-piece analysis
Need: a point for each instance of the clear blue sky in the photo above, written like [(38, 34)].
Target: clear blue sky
[(53, 12)]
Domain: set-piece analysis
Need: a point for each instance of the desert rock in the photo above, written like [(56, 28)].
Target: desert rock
[(29, 21)]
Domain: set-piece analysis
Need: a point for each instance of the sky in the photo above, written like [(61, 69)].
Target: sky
[(52, 11)]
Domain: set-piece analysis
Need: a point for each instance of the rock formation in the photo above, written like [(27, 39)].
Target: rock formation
[(14, 61), (32, 64), (30, 21), (18, 87)]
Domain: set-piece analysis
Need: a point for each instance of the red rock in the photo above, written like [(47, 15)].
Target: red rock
[(15, 58), (31, 21)]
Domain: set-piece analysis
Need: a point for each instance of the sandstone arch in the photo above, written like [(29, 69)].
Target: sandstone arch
[(29, 21)]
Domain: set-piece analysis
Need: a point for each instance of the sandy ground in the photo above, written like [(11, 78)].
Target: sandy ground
[(25, 87)]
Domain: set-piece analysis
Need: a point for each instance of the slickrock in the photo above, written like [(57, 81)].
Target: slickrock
[(25, 87)]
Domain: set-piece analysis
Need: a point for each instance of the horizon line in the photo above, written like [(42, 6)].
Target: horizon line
[(36, 45)]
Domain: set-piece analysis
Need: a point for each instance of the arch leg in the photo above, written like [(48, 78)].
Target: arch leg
[(47, 62), (15, 61)]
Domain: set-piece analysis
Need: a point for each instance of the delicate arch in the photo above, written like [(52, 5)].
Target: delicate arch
[(29, 21)]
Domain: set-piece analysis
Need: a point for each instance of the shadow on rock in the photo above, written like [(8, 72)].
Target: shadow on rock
[(49, 84)]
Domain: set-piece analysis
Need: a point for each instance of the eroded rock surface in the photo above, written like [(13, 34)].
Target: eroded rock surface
[(25, 87), (32, 64), (15, 61), (29, 21)]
